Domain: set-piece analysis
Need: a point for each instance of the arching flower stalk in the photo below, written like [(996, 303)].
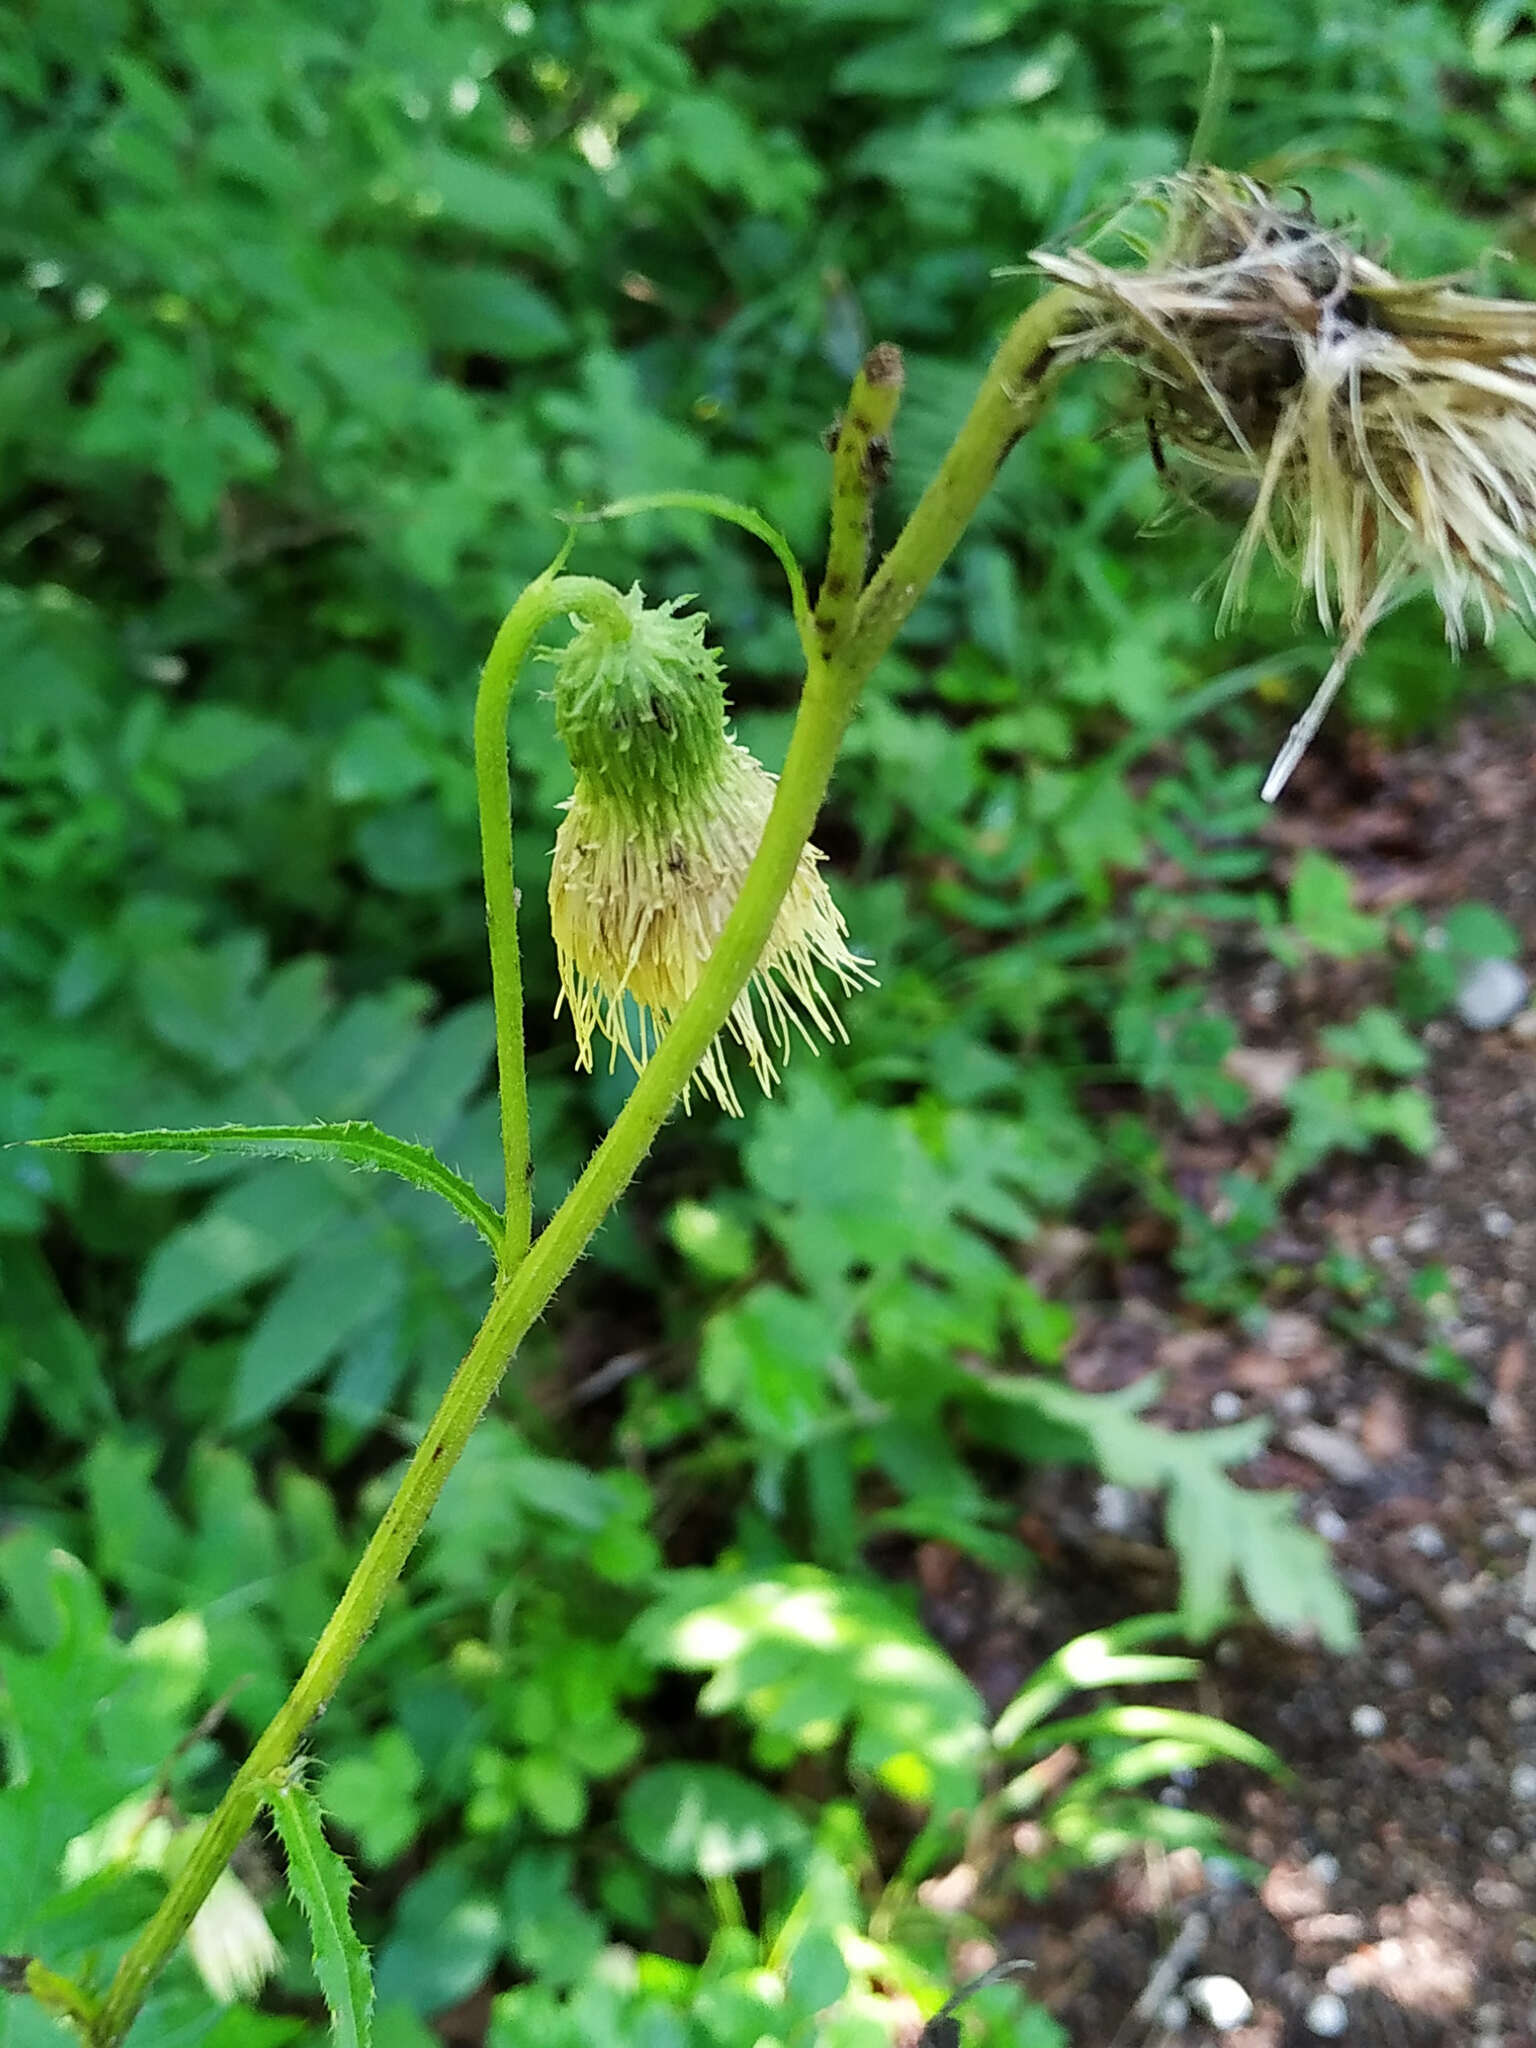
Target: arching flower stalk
[(1387, 429), (667, 814)]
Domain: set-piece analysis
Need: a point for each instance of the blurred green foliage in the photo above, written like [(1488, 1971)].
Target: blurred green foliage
[(313, 319)]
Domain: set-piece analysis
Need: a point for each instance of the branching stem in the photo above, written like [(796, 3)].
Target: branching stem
[(1008, 404)]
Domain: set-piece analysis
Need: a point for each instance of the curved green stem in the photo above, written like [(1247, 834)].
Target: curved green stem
[(541, 601), (831, 691)]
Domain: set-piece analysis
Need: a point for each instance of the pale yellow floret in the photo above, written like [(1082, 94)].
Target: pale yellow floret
[(636, 913), (230, 1942)]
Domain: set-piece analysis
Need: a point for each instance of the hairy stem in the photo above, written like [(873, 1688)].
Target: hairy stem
[(541, 601), (859, 457), (1011, 399)]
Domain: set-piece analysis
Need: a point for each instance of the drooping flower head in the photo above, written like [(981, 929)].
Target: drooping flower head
[(1387, 429), (667, 814)]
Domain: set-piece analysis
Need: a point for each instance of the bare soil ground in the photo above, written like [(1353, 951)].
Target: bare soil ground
[(1401, 1904)]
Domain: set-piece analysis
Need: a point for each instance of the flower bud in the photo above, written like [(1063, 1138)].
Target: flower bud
[(667, 814)]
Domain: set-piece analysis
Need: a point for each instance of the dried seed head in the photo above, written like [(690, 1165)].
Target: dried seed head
[(655, 845), (1386, 429)]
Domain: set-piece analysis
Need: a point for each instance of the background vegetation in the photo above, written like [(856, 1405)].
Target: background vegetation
[(314, 316)]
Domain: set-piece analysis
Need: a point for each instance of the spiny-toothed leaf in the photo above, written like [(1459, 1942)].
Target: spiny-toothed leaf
[(322, 1884), (356, 1143)]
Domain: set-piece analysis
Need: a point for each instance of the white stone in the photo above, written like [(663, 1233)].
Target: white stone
[(1327, 2016), (1221, 2000), (1368, 1723), (1491, 993)]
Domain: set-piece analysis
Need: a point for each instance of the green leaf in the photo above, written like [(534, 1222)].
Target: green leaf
[(1377, 1039), (1219, 1529), (1323, 913), (705, 1819), (1142, 1724), (1476, 931), (489, 312), (803, 1653), (349, 1283), (355, 1143), (322, 1885), (372, 1792), (1107, 1656), (444, 1941)]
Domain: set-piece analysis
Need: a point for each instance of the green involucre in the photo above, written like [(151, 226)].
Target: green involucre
[(642, 715)]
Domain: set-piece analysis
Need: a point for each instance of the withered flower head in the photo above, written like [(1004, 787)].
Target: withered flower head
[(1386, 428), (667, 814)]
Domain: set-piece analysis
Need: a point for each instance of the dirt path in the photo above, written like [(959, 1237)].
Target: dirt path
[(1401, 1907)]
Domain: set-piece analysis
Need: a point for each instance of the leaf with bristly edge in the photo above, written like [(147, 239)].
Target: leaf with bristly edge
[(356, 1143), (322, 1883)]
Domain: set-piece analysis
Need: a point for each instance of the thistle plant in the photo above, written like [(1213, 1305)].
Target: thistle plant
[(1388, 431)]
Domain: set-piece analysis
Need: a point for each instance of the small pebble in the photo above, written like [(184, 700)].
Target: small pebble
[(1331, 1451), (1523, 1707), (1294, 1401), (1369, 1590), (1173, 2014), (1502, 1844), (1427, 1540), (1324, 1868), (1368, 1723), (1422, 1234), (1522, 1784), (1115, 1509), (1221, 2000), (1525, 1521), (1498, 1222), (1327, 2016), (1330, 1524), (1491, 993), (1226, 1406)]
